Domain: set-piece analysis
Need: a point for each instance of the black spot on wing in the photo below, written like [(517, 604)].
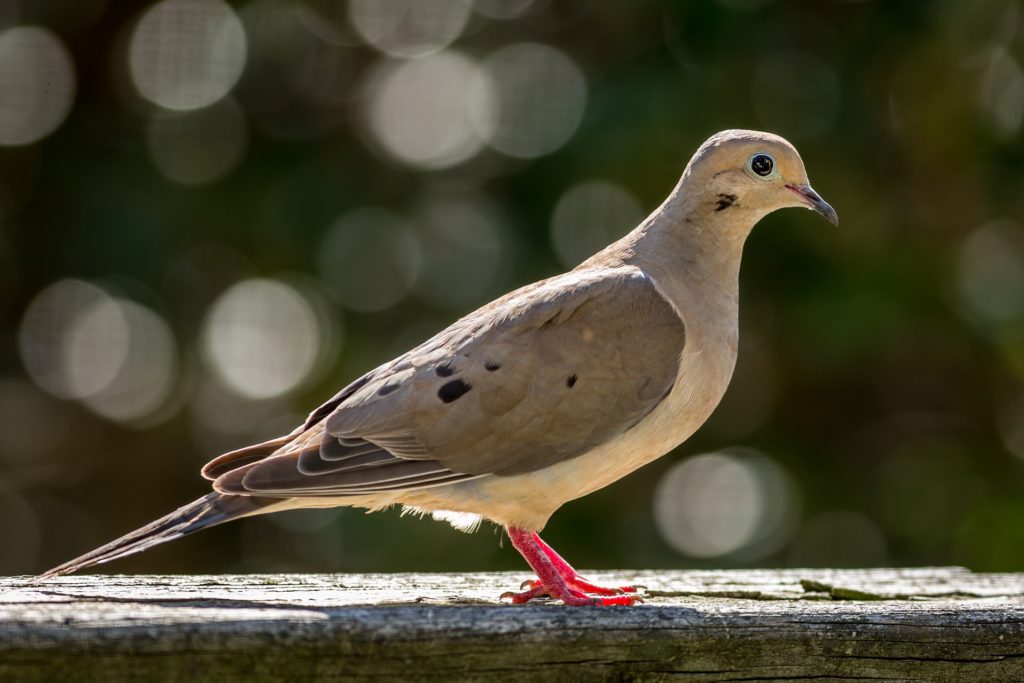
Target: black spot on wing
[(491, 366), (444, 370), (387, 389), (452, 390), (570, 381), (725, 201)]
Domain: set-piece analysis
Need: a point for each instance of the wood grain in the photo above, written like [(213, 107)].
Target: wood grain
[(884, 624)]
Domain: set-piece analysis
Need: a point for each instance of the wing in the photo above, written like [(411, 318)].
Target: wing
[(541, 375)]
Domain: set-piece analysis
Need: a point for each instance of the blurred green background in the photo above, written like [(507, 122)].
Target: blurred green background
[(212, 216)]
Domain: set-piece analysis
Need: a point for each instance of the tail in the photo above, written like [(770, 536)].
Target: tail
[(208, 511)]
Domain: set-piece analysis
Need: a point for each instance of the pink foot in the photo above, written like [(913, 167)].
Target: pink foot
[(569, 597), (558, 579), (573, 578)]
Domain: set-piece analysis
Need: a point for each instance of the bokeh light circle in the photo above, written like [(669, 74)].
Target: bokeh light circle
[(187, 54), (589, 216), (96, 348), (57, 319), (990, 272), (541, 96), (1001, 93), (119, 358), (147, 373), (420, 112), (370, 259), (409, 28), (200, 146), (37, 84), (708, 505), (728, 503), (261, 338)]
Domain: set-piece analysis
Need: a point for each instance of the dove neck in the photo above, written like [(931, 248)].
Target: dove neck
[(693, 256)]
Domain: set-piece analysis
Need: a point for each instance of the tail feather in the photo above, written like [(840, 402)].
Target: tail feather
[(207, 511)]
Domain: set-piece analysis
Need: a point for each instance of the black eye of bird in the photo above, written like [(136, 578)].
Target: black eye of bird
[(761, 164)]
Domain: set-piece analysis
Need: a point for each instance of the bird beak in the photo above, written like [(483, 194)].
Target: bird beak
[(812, 200)]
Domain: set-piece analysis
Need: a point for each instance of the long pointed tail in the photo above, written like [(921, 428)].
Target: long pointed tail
[(208, 511)]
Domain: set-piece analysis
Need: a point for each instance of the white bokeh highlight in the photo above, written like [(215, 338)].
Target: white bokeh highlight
[(37, 84), (187, 54), (409, 28), (146, 374), (77, 341), (95, 348), (541, 96), (733, 503), (421, 112), (45, 339), (261, 338)]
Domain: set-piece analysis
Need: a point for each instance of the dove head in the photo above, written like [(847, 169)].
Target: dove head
[(739, 176)]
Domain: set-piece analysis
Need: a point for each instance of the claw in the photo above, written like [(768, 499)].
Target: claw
[(621, 600), (529, 584), (524, 596), (569, 595)]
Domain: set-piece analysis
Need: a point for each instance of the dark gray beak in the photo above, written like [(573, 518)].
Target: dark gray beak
[(814, 201)]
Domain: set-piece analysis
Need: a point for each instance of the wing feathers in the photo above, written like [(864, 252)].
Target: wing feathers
[(332, 448), (281, 475), (540, 376), (223, 464), (311, 464)]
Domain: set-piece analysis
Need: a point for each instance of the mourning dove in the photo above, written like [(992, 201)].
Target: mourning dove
[(542, 396)]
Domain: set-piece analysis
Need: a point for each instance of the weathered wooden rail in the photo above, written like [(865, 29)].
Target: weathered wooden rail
[(914, 624)]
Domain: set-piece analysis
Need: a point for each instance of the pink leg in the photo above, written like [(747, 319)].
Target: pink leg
[(573, 578), (551, 581)]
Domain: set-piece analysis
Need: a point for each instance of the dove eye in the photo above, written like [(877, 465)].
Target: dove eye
[(762, 165)]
